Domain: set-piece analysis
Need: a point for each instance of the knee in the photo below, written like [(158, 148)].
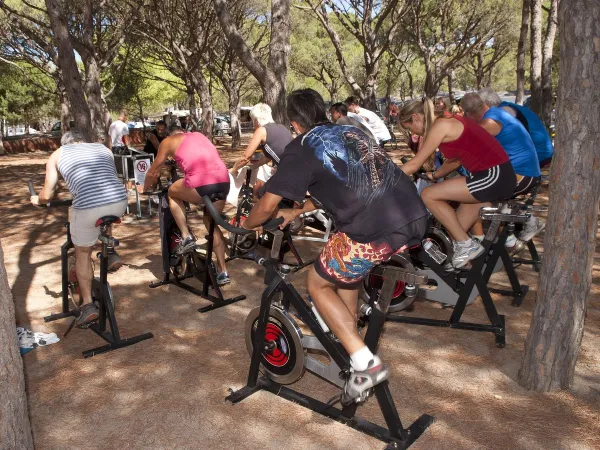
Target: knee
[(427, 194), (314, 283)]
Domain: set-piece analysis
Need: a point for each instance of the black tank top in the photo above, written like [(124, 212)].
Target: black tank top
[(278, 137), (149, 147)]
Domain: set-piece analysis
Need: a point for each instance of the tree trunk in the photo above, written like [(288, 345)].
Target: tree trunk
[(93, 92), (536, 56), (193, 107), (206, 102), (546, 106), (141, 111), (69, 69), (234, 106), (272, 78), (15, 429), (65, 116), (521, 52), (479, 70), (451, 86), (554, 339)]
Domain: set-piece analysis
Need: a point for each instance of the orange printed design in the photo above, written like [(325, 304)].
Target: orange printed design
[(346, 261)]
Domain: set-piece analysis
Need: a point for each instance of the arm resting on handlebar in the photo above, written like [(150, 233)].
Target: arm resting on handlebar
[(262, 211), (51, 181), (449, 166)]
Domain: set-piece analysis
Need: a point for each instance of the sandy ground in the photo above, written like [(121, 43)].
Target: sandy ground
[(168, 392)]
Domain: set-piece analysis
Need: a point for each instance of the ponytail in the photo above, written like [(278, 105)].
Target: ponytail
[(428, 114)]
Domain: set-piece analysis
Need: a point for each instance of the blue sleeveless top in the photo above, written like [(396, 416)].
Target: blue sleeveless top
[(516, 142), (532, 123)]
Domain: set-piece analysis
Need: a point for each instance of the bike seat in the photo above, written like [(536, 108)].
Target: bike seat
[(107, 220)]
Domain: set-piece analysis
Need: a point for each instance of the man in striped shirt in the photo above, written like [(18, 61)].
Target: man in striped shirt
[(91, 176)]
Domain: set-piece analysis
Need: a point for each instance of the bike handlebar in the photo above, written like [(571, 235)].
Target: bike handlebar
[(50, 204), (271, 224)]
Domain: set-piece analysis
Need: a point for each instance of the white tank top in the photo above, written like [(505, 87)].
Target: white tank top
[(90, 173)]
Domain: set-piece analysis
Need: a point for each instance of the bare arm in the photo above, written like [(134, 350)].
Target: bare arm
[(491, 126), (126, 140), (261, 162), (290, 214), (433, 140), (47, 191), (449, 166), (258, 137), (164, 151), (262, 211)]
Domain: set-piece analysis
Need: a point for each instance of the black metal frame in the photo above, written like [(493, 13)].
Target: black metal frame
[(477, 276), (199, 267), (395, 434), (234, 253), (105, 304)]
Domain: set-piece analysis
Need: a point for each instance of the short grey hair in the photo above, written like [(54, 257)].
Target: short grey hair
[(71, 137), (261, 112), (471, 103), (489, 96)]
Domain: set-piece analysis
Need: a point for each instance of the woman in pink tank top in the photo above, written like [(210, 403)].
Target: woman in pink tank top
[(465, 143), (204, 174)]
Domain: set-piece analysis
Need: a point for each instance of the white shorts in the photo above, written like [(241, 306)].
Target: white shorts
[(84, 232)]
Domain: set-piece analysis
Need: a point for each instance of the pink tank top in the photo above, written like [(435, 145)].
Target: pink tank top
[(200, 161)]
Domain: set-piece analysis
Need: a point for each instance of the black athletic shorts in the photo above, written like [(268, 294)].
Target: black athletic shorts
[(526, 185), (496, 183), (216, 192)]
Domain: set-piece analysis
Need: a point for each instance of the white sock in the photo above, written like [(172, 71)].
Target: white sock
[(466, 243), (360, 360), (479, 237)]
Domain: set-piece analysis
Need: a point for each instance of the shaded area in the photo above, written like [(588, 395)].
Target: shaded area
[(169, 392)]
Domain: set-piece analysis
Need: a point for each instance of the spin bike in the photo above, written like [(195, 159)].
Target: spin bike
[(101, 291), (241, 245), (459, 288), (196, 263), (283, 352)]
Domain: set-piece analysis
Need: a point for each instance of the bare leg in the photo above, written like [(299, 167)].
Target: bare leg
[(178, 193), (436, 199), (477, 228), (218, 239), (83, 269), (335, 311), (468, 216)]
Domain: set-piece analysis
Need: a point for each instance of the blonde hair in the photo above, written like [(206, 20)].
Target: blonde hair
[(456, 110), (424, 107), (261, 112), (427, 109)]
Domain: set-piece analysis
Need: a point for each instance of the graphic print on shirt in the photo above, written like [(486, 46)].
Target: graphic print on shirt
[(354, 159)]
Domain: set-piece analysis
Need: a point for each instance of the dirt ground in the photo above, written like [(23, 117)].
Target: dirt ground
[(168, 392)]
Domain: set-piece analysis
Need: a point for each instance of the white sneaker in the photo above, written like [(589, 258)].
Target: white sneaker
[(532, 228), (462, 255)]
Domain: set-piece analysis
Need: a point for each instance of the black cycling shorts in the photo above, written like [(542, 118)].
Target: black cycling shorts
[(526, 185), (216, 192), (496, 183)]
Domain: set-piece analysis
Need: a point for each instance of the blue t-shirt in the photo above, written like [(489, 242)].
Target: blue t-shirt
[(516, 142), (532, 123)]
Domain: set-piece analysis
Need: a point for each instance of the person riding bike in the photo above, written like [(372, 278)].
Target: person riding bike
[(204, 174), (518, 145), (91, 176), (270, 137), (463, 142), (532, 123), (375, 206), (155, 137)]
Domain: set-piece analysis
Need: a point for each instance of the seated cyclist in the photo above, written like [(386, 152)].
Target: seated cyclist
[(91, 176), (463, 142), (270, 137), (518, 145), (204, 174), (375, 206)]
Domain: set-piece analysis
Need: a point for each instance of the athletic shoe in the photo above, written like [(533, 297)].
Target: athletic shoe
[(186, 245), (360, 381), (223, 279), (114, 262), (532, 228), (510, 241), (87, 313), (462, 255)]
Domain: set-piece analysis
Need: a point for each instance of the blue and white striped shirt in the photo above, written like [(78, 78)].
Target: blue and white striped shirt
[(90, 173)]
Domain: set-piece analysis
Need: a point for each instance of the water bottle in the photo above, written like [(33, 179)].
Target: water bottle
[(432, 249)]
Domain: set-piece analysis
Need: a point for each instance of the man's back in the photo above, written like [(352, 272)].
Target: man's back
[(89, 170), (116, 131), (376, 124), (367, 194)]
